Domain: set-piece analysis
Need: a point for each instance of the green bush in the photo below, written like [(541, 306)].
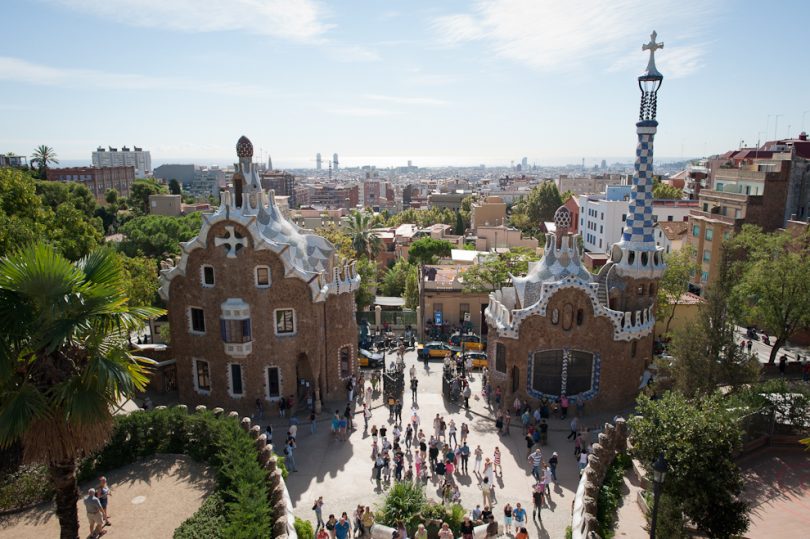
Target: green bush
[(208, 521), (25, 486), (406, 502), (569, 532), (610, 495), (304, 529), (218, 441)]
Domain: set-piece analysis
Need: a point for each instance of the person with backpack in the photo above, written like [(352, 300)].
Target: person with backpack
[(289, 457)]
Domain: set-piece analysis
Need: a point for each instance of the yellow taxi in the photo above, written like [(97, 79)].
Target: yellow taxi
[(435, 350), (367, 358), (479, 359), (467, 342)]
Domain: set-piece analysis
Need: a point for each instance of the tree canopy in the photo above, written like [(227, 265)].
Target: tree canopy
[(365, 241), (494, 272), (58, 213), (699, 440), (666, 191), (427, 250), (139, 194), (681, 266), (537, 207), (42, 157), (157, 236), (367, 269), (773, 282)]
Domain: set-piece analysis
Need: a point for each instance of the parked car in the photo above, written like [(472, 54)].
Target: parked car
[(469, 341), (435, 350), (479, 359), (372, 360)]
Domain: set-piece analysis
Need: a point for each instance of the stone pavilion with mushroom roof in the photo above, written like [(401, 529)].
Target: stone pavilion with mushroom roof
[(259, 309), (560, 330)]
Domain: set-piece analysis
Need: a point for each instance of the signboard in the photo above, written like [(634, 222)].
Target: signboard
[(437, 318), (466, 317)]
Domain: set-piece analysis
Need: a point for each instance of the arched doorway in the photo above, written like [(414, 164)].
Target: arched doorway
[(515, 379)]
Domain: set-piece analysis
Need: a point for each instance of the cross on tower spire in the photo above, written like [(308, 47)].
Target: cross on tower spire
[(652, 46)]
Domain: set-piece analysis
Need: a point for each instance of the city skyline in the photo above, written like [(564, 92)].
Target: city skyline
[(461, 84)]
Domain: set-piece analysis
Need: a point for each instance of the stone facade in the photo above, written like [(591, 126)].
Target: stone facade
[(254, 297), (561, 330)]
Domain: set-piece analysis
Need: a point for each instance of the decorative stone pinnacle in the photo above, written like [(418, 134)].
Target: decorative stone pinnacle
[(652, 46)]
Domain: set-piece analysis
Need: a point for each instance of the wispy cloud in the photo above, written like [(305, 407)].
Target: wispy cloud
[(17, 70), (406, 100), (556, 35), (363, 112), (300, 20), (351, 53), (675, 62)]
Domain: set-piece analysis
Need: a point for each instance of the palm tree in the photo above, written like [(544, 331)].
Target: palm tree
[(364, 240), (42, 157), (64, 363)]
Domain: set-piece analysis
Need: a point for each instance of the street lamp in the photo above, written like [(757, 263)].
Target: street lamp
[(660, 468)]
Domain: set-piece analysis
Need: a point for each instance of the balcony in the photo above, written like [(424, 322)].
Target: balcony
[(730, 221), (239, 349)]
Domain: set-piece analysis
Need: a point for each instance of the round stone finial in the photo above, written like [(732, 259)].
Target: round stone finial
[(562, 218), (244, 148)]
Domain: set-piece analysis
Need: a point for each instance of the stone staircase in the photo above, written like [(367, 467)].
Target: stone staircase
[(601, 278)]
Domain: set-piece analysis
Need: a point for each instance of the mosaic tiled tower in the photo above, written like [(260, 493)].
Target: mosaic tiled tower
[(636, 255)]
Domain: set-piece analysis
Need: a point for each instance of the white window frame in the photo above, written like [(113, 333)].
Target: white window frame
[(230, 380), (267, 395), (256, 277), (294, 332), (197, 387), (202, 276), (191, 329)]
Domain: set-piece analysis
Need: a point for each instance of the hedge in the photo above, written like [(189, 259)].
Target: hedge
[(610, 495), (241, 509)]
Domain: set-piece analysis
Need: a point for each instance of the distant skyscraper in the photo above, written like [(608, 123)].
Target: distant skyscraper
[(269, 163), (410, 163), (318, 162), (335, 162), (524, 163), (604, 164)]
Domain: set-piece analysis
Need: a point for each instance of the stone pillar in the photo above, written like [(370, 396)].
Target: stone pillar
[(318, 405), (377, 316), (419, 322)]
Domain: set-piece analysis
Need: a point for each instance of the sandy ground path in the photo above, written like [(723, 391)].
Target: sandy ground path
[(149, 498)]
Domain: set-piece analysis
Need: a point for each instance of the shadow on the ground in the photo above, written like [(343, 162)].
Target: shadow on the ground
[(775, 474), (145, 471)]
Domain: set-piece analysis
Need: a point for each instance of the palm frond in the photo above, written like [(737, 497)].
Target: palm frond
[(21, 406)]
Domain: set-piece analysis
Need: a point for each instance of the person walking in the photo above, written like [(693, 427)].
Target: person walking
[(563, 406), (465, 456), (467, 528), (343, 528), (367, 521), (547, 479), (330, 526), (489, 472), (536, 460), (445, 532), (479, 453), (486, 492), (103, 493), (289, 457), (465, 431), (783, 365), (552, 464), (312, 422), (95, 513), (318, 508), (537, 500), (574, 426), (414, 386), (467, 393), (507, 519), (519, 514), (421, 532), (451, 431), (496, 459)]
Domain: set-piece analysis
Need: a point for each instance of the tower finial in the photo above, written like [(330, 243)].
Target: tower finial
[(652, 46)]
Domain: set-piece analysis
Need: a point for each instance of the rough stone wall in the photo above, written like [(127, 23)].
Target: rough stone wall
[(620, 372), (612, 440), (235, 278)]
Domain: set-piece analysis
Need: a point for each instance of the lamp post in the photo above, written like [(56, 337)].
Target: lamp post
[(660, 468)]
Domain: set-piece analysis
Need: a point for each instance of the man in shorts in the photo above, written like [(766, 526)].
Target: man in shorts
[(95, 514)]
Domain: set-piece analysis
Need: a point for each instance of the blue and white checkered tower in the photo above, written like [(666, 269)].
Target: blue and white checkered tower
[(636, 255)]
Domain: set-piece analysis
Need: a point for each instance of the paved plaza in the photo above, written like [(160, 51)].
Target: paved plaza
[(341, 472)]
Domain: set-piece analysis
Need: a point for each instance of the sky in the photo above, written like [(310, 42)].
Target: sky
[(380, 82)]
